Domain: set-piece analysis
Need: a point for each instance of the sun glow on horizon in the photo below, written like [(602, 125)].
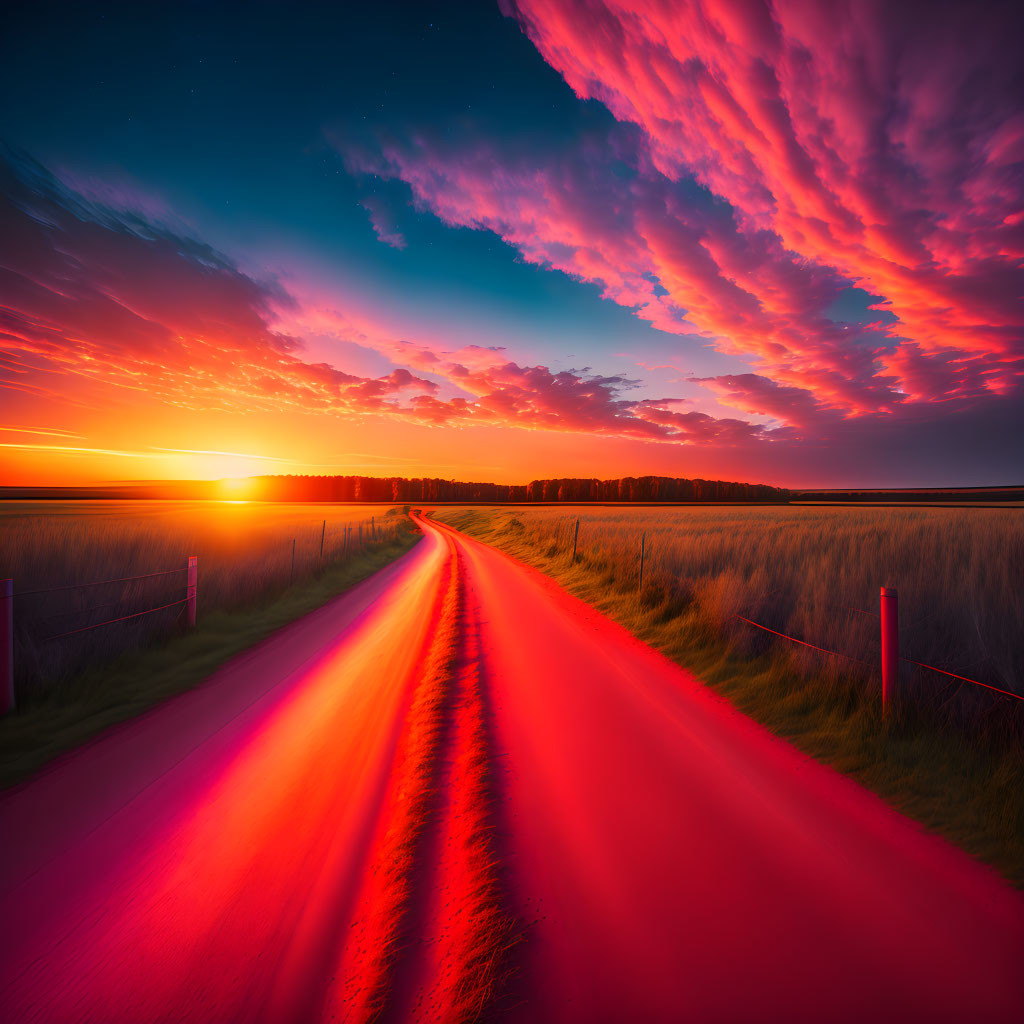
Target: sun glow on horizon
[(236, 490)]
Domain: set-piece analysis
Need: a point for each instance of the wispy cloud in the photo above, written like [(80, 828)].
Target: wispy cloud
[(236, 455), (767, 163), (883, 140), (51, 432), (110, 298), (70, 450)]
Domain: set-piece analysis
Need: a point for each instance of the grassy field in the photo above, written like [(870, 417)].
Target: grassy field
[(72, 687), (949, 755)]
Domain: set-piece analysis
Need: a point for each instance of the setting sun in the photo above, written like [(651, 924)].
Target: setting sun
[(236, 488)]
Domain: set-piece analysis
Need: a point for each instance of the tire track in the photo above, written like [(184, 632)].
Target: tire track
[(476, 934), (432, 938)]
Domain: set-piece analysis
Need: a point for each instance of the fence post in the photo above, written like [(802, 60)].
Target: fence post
[(6, 646), (291, 575), (575, 537), (890, 645), (190, 589), (643, 537), (373, 529), (323, 530)]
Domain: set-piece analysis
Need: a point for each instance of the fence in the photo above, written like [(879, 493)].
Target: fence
[(889, 658), (7, 596), (890, 649), (44, 631)]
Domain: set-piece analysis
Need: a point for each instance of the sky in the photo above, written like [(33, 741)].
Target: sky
[(777, 242)]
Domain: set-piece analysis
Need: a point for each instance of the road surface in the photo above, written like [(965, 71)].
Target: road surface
[(457, 793)]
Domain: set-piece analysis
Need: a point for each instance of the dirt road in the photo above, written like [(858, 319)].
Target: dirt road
[(457, 793)]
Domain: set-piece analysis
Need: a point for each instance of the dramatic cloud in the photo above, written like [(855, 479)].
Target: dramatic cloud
[(674, 253), (769, 159), (88, 294), (92, 295), (883, 139)]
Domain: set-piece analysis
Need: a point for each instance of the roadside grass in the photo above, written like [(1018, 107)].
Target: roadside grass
[(960, 777), (77, 708)]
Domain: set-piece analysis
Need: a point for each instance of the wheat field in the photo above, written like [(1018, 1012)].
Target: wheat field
[(812, 573), (244, 552)]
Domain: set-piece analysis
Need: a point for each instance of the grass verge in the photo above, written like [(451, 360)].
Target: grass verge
[(75, 711), (963, 784)]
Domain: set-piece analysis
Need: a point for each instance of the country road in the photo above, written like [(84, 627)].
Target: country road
[(457, 793)]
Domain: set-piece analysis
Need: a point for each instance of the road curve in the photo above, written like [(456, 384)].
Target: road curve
[(456, 793)]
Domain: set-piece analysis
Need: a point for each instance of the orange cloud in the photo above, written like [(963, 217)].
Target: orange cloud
[(97, 299)]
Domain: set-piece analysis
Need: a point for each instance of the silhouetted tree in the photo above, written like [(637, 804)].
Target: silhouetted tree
[(402, 490)]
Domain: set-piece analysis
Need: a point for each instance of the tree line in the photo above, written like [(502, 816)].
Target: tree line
[(406, 490)]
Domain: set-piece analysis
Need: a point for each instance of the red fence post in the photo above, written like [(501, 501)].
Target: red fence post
[(6, 646), (890, 644), (191, 587)]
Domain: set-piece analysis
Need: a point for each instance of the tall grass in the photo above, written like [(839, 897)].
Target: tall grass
[(245, 553), (815, 574), (950, 755)]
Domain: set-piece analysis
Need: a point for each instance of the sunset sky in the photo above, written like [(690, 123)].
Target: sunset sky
[(778, 242)]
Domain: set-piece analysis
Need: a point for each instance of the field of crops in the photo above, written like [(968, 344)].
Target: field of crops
[(244, 550), (811, 573)]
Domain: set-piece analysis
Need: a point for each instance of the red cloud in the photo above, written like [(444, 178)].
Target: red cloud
[(639, 238), (90, 294), (885, 140)]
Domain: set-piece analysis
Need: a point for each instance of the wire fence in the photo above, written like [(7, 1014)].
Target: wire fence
[(909, 661), (567, 533), (100, 583), (52, 633), (98, 607)]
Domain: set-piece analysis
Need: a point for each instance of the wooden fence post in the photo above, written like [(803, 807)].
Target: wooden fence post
[(890, 645), (643, 537), (291, 575), (6, 646), (190, 589), (323, 530), (575, 538)]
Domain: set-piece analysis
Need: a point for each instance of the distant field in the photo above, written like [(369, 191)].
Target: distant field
[(244, 551), (949, 755)]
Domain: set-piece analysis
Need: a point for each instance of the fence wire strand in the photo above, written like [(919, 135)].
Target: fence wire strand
[(932, 668), (110, 622), (803, 643), (102, 583), (909, 661)]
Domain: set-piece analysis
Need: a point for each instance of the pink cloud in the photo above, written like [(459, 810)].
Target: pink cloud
[(686, 264), (96, 304), (884, 140), (383, 220), (868, 145)]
